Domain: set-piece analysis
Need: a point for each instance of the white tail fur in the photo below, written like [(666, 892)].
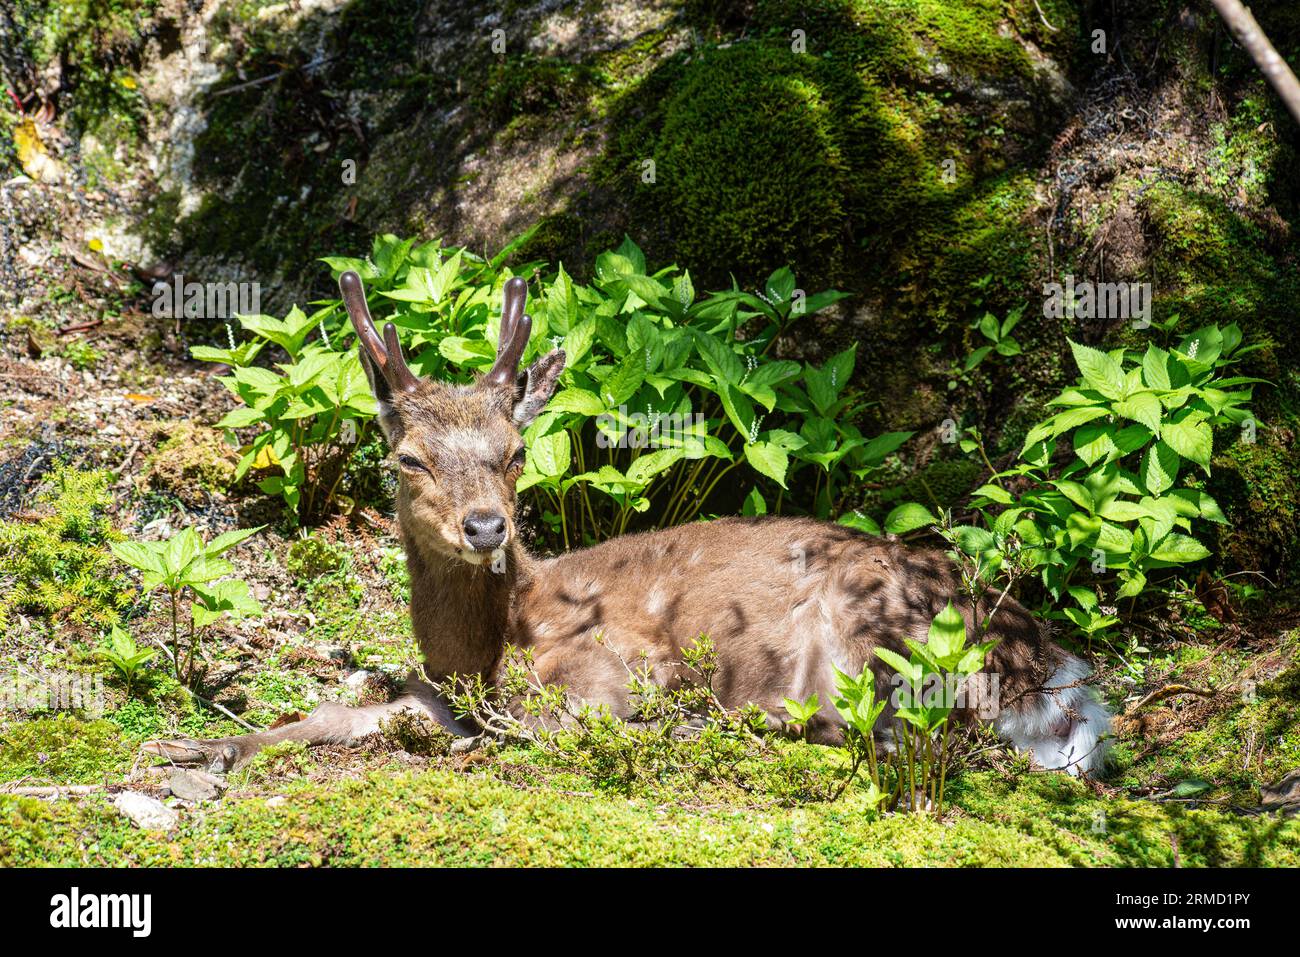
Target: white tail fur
[(1065, 729)]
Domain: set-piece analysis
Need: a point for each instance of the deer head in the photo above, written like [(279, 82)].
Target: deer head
[(458, 448)]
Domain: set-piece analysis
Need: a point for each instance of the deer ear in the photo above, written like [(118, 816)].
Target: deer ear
[(389, 421), (536, 386)]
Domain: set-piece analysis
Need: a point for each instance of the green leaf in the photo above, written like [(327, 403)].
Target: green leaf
[(911, 672), (550, 454), (947, 634), (861, 522), (1160, 468), (1179, 549), (229, 540), (973, 540), (646, 467), (720, 358), (578, 341), (1191, 439), (739, 408), (1100, 371), (141, 555), (769, 459), (1141, 407), (908, 517), (1191, 787), (1155, 368), (581, 401)]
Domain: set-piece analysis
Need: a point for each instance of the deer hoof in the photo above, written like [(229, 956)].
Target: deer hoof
[(219, 756)]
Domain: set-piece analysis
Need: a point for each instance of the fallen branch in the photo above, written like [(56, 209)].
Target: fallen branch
[(1168, 691), (1261, 50), (216, 707), (198, 697), (54, 790), (1042, 16)]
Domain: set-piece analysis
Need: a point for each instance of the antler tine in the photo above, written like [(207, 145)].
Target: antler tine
[(515, 330), (388, 358), (403, 377)]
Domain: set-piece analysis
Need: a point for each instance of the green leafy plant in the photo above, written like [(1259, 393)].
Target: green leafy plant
[(126, 657), (669, 406), (1124, 510), (801, 712), (82, 355), (998, 333), (186, 567), (933, 676), (855, 700), (679, 734), (311, 412)]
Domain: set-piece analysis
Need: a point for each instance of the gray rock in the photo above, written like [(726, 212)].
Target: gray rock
[(1283, 796), (193, 786), (146, 813)]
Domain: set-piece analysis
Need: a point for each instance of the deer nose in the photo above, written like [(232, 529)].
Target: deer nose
[(484, 530)]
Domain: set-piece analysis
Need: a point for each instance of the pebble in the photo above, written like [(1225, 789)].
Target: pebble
[(146, 813)]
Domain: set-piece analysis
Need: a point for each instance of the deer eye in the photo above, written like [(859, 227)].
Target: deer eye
[(411, 462), (517, 460)]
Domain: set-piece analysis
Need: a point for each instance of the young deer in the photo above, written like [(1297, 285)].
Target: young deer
[(783, 599)]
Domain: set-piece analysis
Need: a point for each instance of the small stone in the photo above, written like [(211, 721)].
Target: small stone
[(466, 745), (356, 680), (278, 800), (193, 786), (146, 813)]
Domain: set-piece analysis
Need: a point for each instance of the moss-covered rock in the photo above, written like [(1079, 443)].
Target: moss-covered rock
[(190, 460)]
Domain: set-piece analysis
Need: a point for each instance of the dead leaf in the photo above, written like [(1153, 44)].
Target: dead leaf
[(33, 156), (289, 717)]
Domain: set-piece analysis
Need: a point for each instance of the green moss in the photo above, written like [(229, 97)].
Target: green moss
[(556, 237), (1258, 486), (191, 459), (1217, 265), (439, 817), (1212, 260), (848, 161), (63, 750), (1128, 833), (1252, 741), (311, 556), (416, 733), (748, 169), (59, 565), (526, 84), (941, 484), (275, 765), (93, 40)]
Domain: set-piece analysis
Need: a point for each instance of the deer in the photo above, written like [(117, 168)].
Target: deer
[(779, 628)]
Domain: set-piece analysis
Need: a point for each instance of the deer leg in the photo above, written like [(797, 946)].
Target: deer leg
[(330, 723)]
